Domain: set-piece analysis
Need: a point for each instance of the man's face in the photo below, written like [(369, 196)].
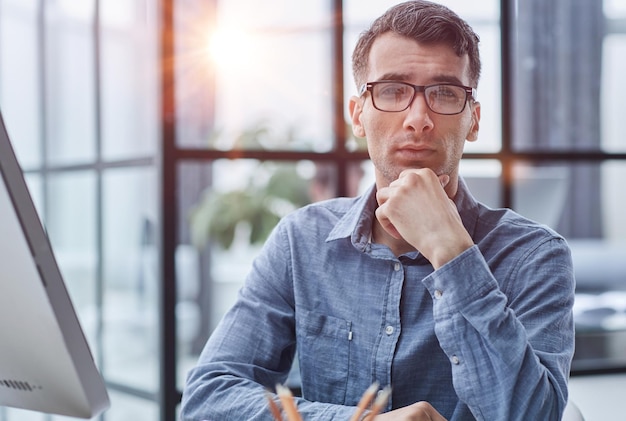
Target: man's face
[(416, 137)]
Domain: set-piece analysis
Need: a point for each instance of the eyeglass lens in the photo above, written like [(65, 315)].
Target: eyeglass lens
[(397, 96)]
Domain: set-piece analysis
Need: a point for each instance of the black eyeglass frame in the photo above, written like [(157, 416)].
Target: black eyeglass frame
[(470, 93)]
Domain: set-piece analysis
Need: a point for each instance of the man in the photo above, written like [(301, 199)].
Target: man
[(464, 310)]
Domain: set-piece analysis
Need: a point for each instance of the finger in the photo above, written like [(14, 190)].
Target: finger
[(444, 179), (386, 224), (382, 195)]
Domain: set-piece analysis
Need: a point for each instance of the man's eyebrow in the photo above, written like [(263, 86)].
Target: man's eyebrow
[(447, 79), (404, 77), (401, 77)]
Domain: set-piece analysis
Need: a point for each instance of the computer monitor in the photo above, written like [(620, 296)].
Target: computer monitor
[(45, 361)]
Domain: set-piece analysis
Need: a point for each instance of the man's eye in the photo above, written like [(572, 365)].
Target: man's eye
[(446, 93), (394, 91)]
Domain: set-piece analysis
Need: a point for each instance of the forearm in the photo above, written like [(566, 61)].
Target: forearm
[(509, 354), (209, 396), (227, 397)]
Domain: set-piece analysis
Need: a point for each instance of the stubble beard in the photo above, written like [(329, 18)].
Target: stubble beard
[(390, 172)]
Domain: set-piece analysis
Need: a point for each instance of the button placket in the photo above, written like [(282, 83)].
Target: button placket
[(391, 326), (389, 329)]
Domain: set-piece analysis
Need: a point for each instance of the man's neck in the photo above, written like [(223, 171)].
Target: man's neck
[(380, 236)]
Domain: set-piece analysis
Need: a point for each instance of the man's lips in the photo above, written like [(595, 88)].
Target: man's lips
[(416, 152)]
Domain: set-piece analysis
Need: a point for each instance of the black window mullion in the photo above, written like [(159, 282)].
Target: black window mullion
[(168, 392), (507, 9)]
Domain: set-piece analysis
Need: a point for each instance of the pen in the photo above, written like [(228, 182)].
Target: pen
[(286, 398), (274, 409), (381, 401), (365, 401)]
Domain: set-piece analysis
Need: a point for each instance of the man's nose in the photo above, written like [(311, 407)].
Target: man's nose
[(418, 115)]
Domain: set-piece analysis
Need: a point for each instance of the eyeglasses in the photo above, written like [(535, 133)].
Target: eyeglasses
[(442, 98)]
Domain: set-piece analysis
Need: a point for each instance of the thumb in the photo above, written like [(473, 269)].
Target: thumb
[(444, 179)]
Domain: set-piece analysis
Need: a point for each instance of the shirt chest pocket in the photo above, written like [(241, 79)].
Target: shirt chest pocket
[(324, 356)]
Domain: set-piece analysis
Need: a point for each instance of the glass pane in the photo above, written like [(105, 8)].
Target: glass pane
[(70, 82), (131, 322), (126, 407), (129, 76), (258, 79), (600, 306), (246, 190), (367, 10), (484, 18), (569, 84), (600, 264), (613, 174), (558, 66), (362, 171), (20, 90), (489, 88), (324, 183), (615, 8), (484, 179), (71, 223), (540, 193), (613, 91), (572, 198)]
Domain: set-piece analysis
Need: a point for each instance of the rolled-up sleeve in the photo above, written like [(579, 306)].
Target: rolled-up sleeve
[(509, 340)]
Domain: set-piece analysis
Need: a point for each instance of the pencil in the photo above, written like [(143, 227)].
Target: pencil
[(273, 407), (380, 402), (365, 401), (286, 398)]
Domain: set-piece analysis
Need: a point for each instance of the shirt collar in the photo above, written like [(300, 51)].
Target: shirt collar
[(356, 223)]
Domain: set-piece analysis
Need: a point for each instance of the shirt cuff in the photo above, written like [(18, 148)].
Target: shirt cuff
[(462, 280)]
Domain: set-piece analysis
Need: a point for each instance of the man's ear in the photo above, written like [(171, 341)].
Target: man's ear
[(356, 108), (472, 134)]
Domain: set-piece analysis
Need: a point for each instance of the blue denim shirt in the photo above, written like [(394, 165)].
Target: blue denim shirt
[(487, 336)]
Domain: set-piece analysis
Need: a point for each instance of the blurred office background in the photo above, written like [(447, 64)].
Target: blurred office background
[(163, 140)]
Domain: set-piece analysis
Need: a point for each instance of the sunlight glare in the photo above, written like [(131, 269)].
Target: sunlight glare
[(230, 48)]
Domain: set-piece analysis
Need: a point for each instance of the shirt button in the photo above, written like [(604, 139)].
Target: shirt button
[(389, 330), (438, 294), (455, 360), (397, 266)]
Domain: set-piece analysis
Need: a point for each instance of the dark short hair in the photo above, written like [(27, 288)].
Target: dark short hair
[(424, 22)]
